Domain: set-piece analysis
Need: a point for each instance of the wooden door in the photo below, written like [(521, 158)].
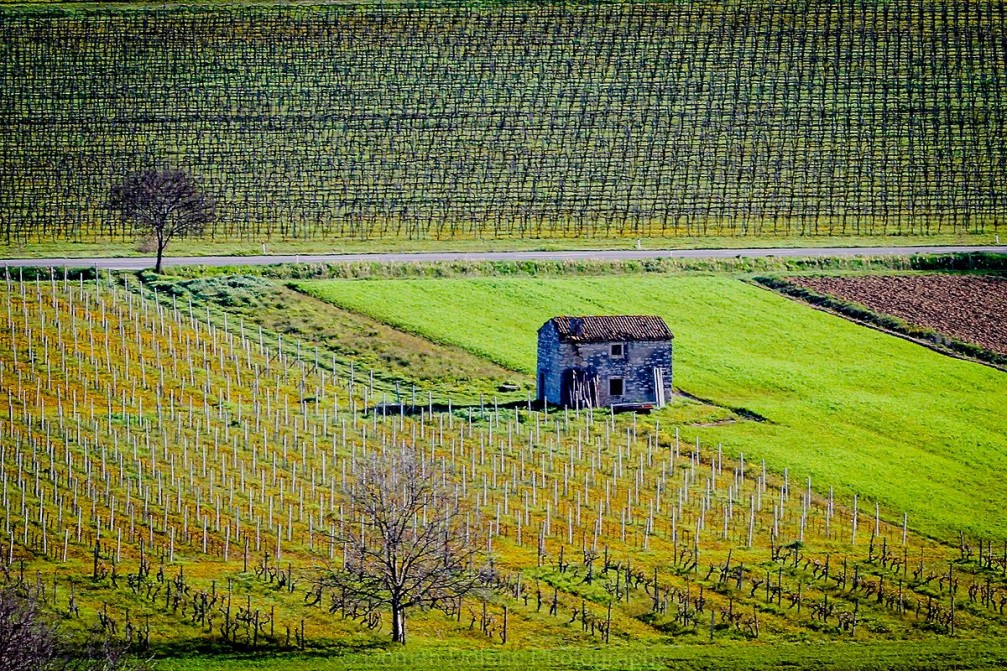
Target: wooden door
[(659, 387)]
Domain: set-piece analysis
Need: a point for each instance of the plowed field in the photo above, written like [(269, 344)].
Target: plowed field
[(968, 308)]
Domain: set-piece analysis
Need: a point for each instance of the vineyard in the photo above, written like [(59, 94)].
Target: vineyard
[(800, 118), (172, 474)]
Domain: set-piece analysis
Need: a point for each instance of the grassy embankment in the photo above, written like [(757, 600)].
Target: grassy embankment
[(204, 247), (412, 364), (866, 412)]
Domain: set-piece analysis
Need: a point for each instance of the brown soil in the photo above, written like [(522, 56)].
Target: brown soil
[(965, 307)]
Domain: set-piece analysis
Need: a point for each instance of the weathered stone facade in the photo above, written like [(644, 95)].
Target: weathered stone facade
[(579, 370)]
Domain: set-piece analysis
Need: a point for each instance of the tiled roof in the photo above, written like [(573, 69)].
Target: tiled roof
[(609, 329)]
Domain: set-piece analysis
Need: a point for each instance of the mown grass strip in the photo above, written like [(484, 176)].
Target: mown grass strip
[(970, 262)]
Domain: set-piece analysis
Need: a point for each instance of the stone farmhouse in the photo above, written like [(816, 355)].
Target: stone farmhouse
[(622, 362)]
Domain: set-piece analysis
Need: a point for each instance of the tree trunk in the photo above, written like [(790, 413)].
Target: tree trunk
[(160, 255), (398, 624)]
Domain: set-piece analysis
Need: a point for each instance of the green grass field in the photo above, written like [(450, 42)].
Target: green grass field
[(852, 408), (935, 654)]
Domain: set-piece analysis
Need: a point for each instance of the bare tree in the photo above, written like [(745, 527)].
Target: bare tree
[(166, 202), (406, 542), (27, 641)]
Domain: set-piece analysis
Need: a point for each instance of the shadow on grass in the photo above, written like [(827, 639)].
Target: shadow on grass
[(274, 647), (479, 410)]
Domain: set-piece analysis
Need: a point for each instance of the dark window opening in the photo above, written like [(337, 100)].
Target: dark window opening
[(616, 350), (615, 386)]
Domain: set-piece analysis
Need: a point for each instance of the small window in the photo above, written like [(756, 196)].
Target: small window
[(615, 386), (616, 350)]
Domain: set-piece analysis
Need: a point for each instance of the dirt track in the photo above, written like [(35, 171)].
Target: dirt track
[(969, 308)]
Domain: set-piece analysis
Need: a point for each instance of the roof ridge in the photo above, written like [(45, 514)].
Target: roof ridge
[(602, 328)]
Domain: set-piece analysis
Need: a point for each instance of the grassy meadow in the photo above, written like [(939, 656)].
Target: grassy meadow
[(849, 407)]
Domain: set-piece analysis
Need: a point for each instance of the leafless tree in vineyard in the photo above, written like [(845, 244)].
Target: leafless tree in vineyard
[(165, 202), (406, 541)]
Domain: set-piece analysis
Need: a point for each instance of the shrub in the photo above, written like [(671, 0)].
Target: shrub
[(32, 641)]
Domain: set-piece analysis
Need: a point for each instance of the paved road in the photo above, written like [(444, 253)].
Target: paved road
[(139, 263)]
